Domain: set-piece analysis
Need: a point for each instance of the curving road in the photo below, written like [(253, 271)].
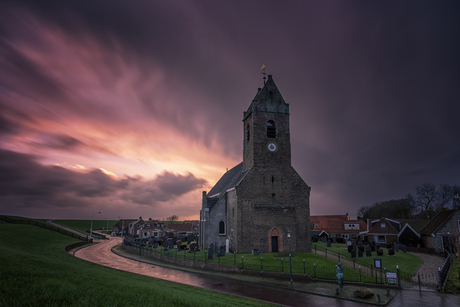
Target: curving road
[(101, 254)]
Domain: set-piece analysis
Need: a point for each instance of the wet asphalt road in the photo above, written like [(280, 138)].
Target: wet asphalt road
[(101, 254)]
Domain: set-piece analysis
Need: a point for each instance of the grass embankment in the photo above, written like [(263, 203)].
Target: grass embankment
[(407, 262), (83, 225), (453, 280), (35, 271)]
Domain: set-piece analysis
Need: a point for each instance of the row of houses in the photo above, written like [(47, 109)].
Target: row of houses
[(438, 234), (153, 228)]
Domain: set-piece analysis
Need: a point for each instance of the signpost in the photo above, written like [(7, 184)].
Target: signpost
[(391, 277)]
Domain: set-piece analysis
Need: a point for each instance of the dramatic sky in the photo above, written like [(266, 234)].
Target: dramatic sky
[(133, 108)]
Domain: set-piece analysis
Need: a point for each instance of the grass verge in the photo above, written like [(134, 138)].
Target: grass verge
[(35, 271)]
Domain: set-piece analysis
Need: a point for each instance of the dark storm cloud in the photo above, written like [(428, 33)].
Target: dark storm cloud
[(161, 189), (373, 86), (26, 183)]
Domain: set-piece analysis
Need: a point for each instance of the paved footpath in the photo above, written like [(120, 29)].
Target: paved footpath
[(260, 288)]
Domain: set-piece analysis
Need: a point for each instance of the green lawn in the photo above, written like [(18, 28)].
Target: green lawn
[(35, 271), (407, 262), (83, 225), (301, 263)]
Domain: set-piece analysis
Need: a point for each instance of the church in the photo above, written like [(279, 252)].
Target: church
[(262, 203)]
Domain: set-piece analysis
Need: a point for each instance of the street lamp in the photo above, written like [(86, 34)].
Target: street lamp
[(91, 231), (290, 263), (122, 226), (107, 224)]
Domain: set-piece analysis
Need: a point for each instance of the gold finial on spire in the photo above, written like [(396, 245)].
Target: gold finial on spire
[(262, 68)]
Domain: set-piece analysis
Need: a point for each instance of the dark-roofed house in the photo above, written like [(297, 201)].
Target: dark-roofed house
[(387, 230), (441, 230), (262, 202), (122, 224)]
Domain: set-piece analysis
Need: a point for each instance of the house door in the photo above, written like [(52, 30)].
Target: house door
[(446, 246), (274, 244)]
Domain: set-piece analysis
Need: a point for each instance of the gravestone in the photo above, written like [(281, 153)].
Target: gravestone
[(368, 251), (361, 246), (328, 243), (334, 240), (373, 246), (178, 243), (353, 253), (404, 248), (216, 247), (193, 247), (323, 239), (354, 244), (350, 246), (391, 252), (190, 239), (396, 247), (221, 251), (379, 252), (169, 244), (360, 253), (210, 250)]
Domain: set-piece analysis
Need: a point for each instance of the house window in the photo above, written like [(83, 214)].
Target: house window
[(383, 225), (221, 228), (271, 129), (380, 239)]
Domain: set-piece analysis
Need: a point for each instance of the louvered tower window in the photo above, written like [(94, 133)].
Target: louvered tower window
[(271, 129)]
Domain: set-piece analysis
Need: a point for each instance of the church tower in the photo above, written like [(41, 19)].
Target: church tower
[(262, 203), (266, 126)]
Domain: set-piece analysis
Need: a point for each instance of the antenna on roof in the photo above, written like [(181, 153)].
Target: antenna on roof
[(262, 68)]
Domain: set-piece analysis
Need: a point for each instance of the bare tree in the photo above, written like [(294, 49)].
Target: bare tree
[(426, 197), (445, 195), (362, 213), (456, 197), (172, 218)]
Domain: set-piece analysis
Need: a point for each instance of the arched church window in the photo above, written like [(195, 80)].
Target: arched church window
[(271, 129), (221, 227)]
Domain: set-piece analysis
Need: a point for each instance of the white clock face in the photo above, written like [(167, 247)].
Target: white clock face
[(272, 146)]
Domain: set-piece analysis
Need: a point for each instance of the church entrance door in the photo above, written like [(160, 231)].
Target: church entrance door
[(274, 244)]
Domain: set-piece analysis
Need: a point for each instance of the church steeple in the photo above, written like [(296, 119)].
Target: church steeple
[(266, 129)]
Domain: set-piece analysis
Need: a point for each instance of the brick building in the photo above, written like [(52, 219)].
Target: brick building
[(258, 202)]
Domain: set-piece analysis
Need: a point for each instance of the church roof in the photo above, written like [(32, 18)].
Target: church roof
[(230, 179)]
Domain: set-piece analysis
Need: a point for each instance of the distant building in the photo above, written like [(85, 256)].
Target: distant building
[(385, 230), (261, 203), (336, 226), (442, 231)]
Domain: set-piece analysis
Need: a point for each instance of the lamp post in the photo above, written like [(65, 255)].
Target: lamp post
[(122, 227), (91, 230), (107, 224), (290, 263)]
